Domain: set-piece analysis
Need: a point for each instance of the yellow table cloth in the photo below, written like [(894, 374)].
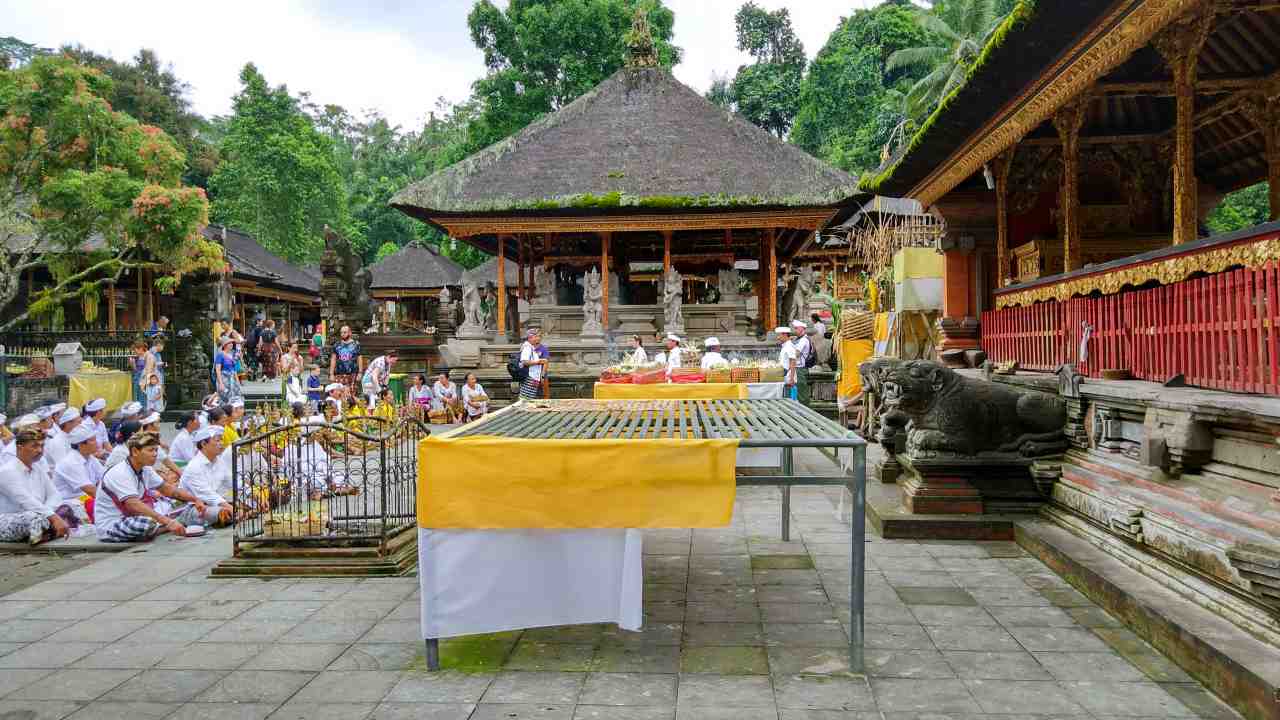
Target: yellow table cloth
[(671, 391), (114, 387), (483, 482)]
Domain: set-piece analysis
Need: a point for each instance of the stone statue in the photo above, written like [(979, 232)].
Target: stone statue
[(472, 314), (445, 296), (362, 312), (796, 301), (948, 415), (727, 284), (489, 307), (544, 286), (592, 303), (673, 301)]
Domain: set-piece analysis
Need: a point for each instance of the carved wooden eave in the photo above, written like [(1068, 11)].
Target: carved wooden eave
[(1127, 27), (466, 227)]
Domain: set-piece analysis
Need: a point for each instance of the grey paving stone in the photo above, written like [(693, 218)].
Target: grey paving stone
[(709, 576), (796, 714), (366, 656), (934, 595), (652, 633), (1014, 665), (896, 694), (717, 612), (331, 631), (348, 686), (211, 610), (37, 709), (1092, 617), (1002, 578), (830, 634), (570, 634), (921, 579), (881, 613), (952, 615), (623, 712), (531, 655), (785, 577), (99, 710), (69, 610), (124, 655), (74, 684), (1058, 639), (302, 656), (1009, 596), (47, 655), (422, 711), (920, 664), (166, 685), (972, 637), (1065, 597), (685, 712), (348, 609), (954, 548), (723, 633), (724, 594), (309, 710), (256, 686), (141, 610), (31, 630), (637, 658), (11, 680), (720, 691), (663, 612), (1128, 698), (1032, 616), (797, 612), (522, 711), (10, 609), (629, 689), (172, 631), (1016, 696), (11, 647), (896, 637), (822, 693), (210, 656), (1093, 666), (283, 610), (250, 631), (444, 686), (905, 563), (225, 711), (1202, 703), (535, 687), (385, 631), (808, 661)]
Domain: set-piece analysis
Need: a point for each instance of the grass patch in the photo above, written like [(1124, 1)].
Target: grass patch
[(781, 562)]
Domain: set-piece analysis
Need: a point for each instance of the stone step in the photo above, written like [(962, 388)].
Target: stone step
[(1235, 665)]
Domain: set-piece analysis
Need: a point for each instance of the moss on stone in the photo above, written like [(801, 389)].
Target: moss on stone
[(781, 562)]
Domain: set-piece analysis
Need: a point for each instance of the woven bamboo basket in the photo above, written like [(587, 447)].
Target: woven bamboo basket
[(720, 375), (746, 374), (772, 374)]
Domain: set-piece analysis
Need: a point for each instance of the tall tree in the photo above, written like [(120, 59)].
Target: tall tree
[(148, 90), (850, 106), (88, 192), (958, 29), (543, 54), (16, 53), (767, 92), (721, 92), (278, 179), (1241, 209)]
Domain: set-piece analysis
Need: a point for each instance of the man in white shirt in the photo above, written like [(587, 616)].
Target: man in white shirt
[(787, 358), (24, 421), (712, 356), (804, 352), (57, 446), (79, 471), (333, 393), (200, 476), (531, 386), (125, 507), (31, 510), (182, 449), (674, 355)]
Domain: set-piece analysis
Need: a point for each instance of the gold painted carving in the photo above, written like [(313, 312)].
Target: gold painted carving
[(1128, 27), (1068, 121), (1001, 166), (1175, 269)]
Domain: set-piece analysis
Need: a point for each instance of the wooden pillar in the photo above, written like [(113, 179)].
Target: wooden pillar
[(137, 306), (520, 269), (502, 284), (604, 278), (1068, 120), (1000, 169), (1179, 44), (666, 252), (769, 271), (111, 306)]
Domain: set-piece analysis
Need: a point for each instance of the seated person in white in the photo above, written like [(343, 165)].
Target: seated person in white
[(56, 447), (474, 398), (200, 479), (712, 356), (31, 509), (132, 502), (79, 471), (182, 449)]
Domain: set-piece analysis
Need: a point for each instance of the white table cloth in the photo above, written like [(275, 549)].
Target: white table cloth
[(762, 457)]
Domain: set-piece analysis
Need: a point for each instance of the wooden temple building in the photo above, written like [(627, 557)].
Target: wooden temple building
[(641, 172), (409, 285), (1074, 172)]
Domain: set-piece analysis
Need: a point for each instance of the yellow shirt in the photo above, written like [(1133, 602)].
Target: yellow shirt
[(229, 435), (386, 411)]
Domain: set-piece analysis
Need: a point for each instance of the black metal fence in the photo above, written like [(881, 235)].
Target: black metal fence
[(349, 483)]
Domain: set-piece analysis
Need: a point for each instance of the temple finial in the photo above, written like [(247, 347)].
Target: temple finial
[(641, 52)]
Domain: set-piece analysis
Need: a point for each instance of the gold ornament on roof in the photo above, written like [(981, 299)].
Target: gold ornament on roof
[(641, 52)]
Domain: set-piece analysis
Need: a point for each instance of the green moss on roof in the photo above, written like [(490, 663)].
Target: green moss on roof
[(1015, 20)]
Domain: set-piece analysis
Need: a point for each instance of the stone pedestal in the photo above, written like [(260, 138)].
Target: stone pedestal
[(958, 333), (968, 485), (938, 490)]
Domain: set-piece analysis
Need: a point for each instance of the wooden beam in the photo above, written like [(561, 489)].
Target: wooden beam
[(475, 230), (1165, 88), (1067, 121), (111, 306), (1001, 166), (666, 251), (502, 284), (769, 268), (604, 278), (1131, 139)]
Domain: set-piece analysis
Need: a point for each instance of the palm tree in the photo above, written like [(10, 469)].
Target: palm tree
[(959, 29)]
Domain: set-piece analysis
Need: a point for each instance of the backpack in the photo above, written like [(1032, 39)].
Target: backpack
[(517, 369), (811, 357)]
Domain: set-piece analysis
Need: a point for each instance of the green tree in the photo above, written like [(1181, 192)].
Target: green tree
[(958, 30), (75, 170), (767, 92), (850, 106), (721, 92), (1239, 210), (543, 54), (385, 250), (16, 53), (278, 179)]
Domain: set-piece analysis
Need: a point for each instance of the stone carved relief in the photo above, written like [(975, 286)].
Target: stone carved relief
[(544, 286), (727, 284), (795, 303), (592, 303), (472, 314), (673, 301)]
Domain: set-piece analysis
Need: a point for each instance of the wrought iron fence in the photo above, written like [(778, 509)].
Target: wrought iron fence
[(348, 483)]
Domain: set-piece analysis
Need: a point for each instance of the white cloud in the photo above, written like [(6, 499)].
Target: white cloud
[(397, 57)]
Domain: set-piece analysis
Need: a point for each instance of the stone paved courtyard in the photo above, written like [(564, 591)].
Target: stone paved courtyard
[(738, 625)]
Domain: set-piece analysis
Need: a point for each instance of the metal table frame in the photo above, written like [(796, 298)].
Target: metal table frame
[(783, 424)]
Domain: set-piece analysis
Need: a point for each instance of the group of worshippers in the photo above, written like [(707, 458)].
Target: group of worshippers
[(449, 401), (63, 470)]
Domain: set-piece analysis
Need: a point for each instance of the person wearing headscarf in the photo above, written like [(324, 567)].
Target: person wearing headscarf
[(78, 473), (58, 445), (200, 476), (93, 411)]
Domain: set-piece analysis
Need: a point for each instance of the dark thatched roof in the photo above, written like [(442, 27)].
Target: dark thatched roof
[(1020, 50), (640, 139), (251, 261), (487, 272), (415, 267)]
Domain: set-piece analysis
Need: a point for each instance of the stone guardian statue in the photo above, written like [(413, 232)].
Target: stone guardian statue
[(673, 301), (592, 304)]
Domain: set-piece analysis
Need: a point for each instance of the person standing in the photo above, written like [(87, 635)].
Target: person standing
[(545, 354), (268, 350), (290, 365), (674, 354), (819, 328), (225, 364), (787, 358), (712, 356), (530, 358), (143, 366), (638, 355), (804, 359), (377, 375), (346, 364), (250, 345)]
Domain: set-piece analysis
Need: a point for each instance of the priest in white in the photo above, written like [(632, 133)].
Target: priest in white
[(712, 356), (31, 509), (57, 446), (200, 476), (79, 471)]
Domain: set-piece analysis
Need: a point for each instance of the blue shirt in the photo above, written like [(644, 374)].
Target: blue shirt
[(314, 389)]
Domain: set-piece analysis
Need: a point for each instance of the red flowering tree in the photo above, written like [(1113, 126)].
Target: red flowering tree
[(88, 192)]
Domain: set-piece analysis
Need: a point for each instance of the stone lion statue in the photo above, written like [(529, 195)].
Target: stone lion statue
[(946, 413)]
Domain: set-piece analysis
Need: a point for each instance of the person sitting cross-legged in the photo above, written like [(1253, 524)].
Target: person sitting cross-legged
[(31, 508), (200, 476), (78, 472), (133, 501)]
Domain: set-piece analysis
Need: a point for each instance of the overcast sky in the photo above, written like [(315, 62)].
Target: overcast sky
[(396, 56)]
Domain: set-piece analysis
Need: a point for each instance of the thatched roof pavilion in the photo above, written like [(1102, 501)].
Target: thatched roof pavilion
[(640, 168), (413, 271)]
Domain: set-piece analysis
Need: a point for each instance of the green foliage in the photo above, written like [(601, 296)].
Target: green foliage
[(767, 92), (958, 30), (76, 168), (148, 91), (278, 179), (543, 54), (385, 250), (721, 92), (16, 53), (850, 106), (1241, 209)]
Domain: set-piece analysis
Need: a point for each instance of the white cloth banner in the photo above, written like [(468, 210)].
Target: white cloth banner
[(485, 581), (762, 457)]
